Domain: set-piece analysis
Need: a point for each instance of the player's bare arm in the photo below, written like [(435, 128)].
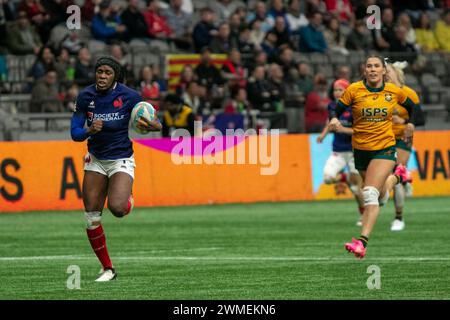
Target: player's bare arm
[(148, 125)]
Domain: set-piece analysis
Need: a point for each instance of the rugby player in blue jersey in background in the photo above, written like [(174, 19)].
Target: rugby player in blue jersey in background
[(342, 155), (109, 164)]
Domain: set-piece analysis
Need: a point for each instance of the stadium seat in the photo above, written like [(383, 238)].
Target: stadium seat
[(318, 58), (95, 46), (337, 58)]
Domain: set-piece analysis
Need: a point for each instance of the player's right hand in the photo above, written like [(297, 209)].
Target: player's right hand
[(334, 124), (95, 127), (319, 139)]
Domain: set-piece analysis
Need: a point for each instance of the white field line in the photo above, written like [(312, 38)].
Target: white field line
[(230, 258)]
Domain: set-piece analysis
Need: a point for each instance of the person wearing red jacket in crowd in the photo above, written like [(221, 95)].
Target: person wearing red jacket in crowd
[(157, 23), (233, 71), (316, 106)]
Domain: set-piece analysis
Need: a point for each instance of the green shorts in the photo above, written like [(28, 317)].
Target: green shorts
[(363, 157), (403, 145)]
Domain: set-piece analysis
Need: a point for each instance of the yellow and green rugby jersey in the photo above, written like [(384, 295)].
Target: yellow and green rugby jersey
[(372, 110)]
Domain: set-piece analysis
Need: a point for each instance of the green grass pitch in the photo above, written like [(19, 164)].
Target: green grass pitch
[(288, 250)]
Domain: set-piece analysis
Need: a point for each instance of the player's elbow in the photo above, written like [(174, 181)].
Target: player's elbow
[(76, 136)]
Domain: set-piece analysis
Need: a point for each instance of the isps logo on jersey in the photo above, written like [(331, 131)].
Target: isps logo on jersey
[(374, 114)]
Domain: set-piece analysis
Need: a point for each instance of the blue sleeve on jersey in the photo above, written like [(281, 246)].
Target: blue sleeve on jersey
[(77, 130)]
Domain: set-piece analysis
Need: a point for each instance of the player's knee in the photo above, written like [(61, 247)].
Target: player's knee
[(117, 208), (93, 219), (370, 196)]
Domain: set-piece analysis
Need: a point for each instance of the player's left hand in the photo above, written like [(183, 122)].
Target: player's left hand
[(408, 133), (147, 125)]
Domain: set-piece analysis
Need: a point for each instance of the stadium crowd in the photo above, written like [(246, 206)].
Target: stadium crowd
[(282, 55)]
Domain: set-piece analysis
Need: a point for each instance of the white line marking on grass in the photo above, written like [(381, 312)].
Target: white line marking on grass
[(210, 258)]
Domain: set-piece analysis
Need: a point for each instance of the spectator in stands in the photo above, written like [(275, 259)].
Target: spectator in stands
[(72, 42), (84, 68), (316, 103), (206, 73), (282, 32), (404, 20), (242, 12), (44, 61), (401, 45), (359, 38), (384, 38), (313, 6), (236, 26), (335, 38), (180, 22), (278, 95), (204, 30), (245, 46), (341, 72), (45, 96), (295, 18), (63, 67), (277, 86), (56, 10), (156, 22), (304, 80), (233, 70), (442, 32), (177, 115), (258, 90), (286, 61), (117, 52), (256, 33), (38, 16), (22, 37), (158, 77), (276, 10), (33, 8), (261, 58), (225, 8), (148, 87), (187, 75), (221, 43), (311, 36), (269, 46), (341, 10), (238, 102), (8, 10), (426, 39), (70, 97), (191, 97), (260, 13), (134, 21), (88, 9), (106, 25)]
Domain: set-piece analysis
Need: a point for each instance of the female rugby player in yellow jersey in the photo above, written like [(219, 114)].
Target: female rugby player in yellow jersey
[(403, 130), (372, 102)]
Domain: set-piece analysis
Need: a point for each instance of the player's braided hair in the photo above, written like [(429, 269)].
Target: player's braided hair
[(110, 62)]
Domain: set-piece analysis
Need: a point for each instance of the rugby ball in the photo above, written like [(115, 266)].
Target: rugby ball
[(141, 109)]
